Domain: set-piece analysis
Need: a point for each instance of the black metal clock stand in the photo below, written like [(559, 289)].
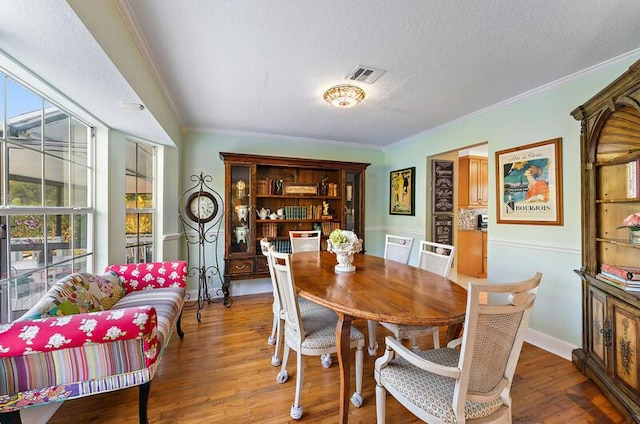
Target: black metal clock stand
[(202, 232)]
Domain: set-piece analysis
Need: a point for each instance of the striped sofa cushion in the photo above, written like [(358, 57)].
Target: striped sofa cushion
[(167, 301)]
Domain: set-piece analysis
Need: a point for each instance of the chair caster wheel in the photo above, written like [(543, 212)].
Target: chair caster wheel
[(282, 377), (356, 400), (326, 360), (296, 412), (275, 361)]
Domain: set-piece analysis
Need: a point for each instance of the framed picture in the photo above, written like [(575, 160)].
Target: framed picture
[(529, 184), (402, 193)]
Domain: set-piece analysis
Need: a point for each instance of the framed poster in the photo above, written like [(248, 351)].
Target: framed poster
[(442, 180), (402, 193), (529, 184)]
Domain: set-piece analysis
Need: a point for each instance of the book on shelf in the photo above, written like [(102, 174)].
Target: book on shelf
[(633, 178), (617, 283), (622, 271)]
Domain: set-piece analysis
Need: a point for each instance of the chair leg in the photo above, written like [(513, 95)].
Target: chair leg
[(275, 359), (12, 417), (274, 327), (179, 326), (142, 402), (413, 338), (296, 408), (436, 338), (356, 399), (283, 375), (381, 404), (373, 344)]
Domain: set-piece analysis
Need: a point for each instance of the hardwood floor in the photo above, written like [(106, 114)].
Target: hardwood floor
[(221, 373)]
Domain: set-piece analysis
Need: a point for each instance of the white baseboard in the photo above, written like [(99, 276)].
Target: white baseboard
[(550, 344)]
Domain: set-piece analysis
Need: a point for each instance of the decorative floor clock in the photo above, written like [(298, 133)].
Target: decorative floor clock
[(201, 212)]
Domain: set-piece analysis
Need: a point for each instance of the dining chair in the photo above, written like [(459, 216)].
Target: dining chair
[(304, 241), (437, 258), (275, 337), (313, 333), (397, 248), (470, 379)]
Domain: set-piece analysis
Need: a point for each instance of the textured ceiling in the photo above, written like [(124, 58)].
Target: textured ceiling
[(262, 66)]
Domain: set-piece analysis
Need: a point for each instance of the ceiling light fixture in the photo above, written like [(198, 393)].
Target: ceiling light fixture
[(344, 95)]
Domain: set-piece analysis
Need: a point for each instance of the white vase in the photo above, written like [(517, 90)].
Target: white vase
[(344, 254), (345, 261)]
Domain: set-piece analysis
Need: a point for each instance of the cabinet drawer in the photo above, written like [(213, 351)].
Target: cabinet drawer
[(261, 264), (239, 266)]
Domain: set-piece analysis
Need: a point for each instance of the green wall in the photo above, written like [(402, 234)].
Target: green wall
[(515, 252)]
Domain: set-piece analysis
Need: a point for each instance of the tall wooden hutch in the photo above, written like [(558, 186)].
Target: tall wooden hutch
[(610, 146), (268, 196)]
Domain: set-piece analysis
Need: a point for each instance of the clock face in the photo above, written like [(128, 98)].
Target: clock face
[(201, 206)]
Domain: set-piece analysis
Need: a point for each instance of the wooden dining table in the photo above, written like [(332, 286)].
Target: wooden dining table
[(379, 290)]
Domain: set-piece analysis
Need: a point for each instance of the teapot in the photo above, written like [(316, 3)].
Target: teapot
[(280, 212), (263, 213), (273, 216)]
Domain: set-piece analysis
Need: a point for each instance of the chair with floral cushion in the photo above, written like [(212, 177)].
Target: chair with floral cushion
[(312, 333), (470, 379)]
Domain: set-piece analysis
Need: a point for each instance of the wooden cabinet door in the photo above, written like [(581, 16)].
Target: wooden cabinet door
[(473, 181), (624, 365), (599, 326), (483, 182), (470, 256)]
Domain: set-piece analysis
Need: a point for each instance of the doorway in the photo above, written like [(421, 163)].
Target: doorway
[(468, 237)]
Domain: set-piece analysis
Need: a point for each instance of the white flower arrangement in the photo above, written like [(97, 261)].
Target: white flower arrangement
[(344, 240)]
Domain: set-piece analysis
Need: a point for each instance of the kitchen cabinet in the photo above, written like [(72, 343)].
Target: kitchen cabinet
[(473, 181), (472, 253), (610, 144)]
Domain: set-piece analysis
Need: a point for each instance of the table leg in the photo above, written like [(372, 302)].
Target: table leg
[(453, 332), (343, 332)]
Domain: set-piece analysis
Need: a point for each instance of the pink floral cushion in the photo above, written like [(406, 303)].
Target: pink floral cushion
[(150, 275)]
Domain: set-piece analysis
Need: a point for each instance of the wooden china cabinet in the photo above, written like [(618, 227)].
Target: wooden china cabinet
[(610, 146), (268, 196)]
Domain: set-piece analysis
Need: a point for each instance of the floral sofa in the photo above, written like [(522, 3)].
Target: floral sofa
[(91, 334)]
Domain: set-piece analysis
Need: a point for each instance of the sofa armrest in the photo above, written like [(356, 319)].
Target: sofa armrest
[(151, 275), (56, 333)]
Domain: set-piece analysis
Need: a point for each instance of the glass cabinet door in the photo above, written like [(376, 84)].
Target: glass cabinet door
[(353, 207), (240, 217)]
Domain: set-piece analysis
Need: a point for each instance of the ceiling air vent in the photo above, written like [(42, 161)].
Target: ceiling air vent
[(365, 74)]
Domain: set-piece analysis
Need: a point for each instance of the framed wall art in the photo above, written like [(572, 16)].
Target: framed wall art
[(529, 184), (402, 193)]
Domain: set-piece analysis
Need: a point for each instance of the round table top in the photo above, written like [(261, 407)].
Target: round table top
[(379, 290)]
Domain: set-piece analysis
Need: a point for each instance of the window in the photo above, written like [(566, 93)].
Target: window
[(46, 213), (139, 201)]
